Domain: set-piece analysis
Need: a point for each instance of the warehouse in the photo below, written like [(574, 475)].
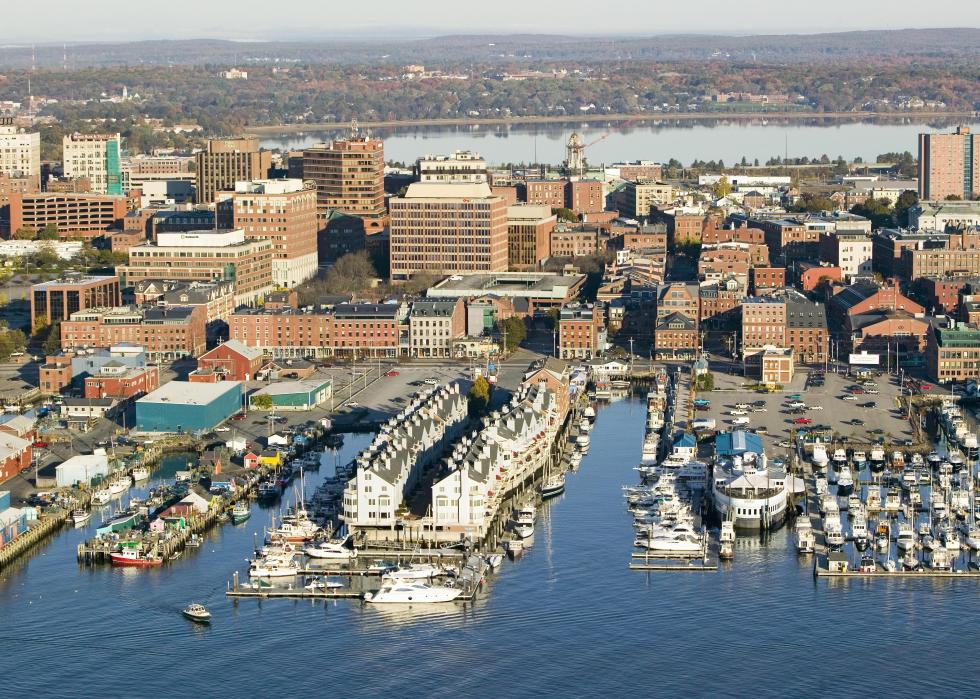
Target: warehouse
[(295, 395), (82, 468), (13, 521), (183, 406)]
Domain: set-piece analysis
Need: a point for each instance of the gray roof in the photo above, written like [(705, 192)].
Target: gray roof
[(242, 349)]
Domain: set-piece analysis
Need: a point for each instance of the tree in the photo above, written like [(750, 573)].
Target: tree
[(814, 203), (878, 210), (906, 200), (25, 233), (706, 382), (52, 342), (261, 402), (722, 188), (478, 399), (954, 197), (565, 214), (49, 232), (514, 330)]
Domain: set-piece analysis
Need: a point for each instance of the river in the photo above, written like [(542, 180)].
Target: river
[(568, 619), (709, 139)]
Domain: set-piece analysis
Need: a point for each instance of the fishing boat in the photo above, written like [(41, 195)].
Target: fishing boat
[(121, 522), (833, 532), (101, 496), (240, 512), (119, 485), (268, 490), (131, 555), (859, 532), (867, 564), (514, 547), (494, 560), (805, 540), (141, 473), (197, 613), (80, 517), (398, 592)]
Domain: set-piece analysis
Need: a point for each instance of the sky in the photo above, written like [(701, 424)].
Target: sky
[(120, 20)]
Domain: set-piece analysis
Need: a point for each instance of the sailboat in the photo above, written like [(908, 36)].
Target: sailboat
[(553, 484)]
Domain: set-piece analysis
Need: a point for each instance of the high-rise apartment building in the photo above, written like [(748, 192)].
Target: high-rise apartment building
[(227, 161), (949, 164), (447, 229), (20, 153), (349, 176), (96, 157), (460, 166), (283, 211)]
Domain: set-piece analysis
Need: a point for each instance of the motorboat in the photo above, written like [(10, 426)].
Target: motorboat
[(514, 547), (582, 440), (845, 481), (197, 613), (589, 412), (553, 486), (934, 459), (318, 584), (269, 490), (940, 559), (101, 496), (819, 456), (805, 539), (123, 521), (877, 460), (584, 425), (910, 479), (854, 504), (904, 536), (833, 532), (331, 550), (893, 500), (859, 531), (867, 564), (398, 592), (273, 568), (873, 500), (119, 485), (415, 571), (80, 517), (821, 485), (898, 460), (140, 473), (859, 459), (494, 560), (910, 562), (676, 544)]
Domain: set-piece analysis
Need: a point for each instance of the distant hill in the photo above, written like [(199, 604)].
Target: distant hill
[(443, 50)]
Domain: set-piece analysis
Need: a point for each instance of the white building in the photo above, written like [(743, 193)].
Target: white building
[(97, 157), (19, 248), (460, 166), (482, 471), (82, 468), (20, 152), (391, 466), (937, 215), (854, 254)]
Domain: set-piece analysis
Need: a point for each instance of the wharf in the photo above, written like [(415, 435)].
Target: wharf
[(691, 566)]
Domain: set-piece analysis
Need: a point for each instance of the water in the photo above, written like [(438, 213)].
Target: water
[(709, 139), (569, 619)]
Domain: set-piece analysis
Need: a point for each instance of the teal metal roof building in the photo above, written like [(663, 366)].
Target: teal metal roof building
[(296, 395), (184, 406)]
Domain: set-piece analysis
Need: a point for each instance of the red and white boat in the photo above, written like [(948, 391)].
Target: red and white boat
[(132, 556)]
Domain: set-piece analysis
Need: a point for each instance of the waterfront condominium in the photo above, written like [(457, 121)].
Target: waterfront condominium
[(444, 229), (96, 157), (949, 164), (349, 175), (227, 161), (283, 211)]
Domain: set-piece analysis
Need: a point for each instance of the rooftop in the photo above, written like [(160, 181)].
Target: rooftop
[(286, 388), (737, 442), (77, 281), (190, 393), (527, 284)]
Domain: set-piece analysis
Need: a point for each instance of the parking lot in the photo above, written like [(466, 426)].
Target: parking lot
[(825, 406)]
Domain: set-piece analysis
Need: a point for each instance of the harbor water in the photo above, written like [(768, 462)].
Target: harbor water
[(567, 619), (688, 140)]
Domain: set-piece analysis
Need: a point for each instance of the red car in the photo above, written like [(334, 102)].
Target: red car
[(391, 373), (802, 421), (857, 391), (238, 416), (925, 387), (40, 444)]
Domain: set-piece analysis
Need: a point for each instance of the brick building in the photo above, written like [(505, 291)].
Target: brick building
[(585, 196), (676, 335), (766, 279), (528, 236), (949, 164), (227, 161), (230, 361), (720, 302), (434, 325), (56, 300), (574, 241), (447, 229), (581, 333), (953, 353), (811, 275), (122, 382), (74, 215), (550, 193), (349, 178), (165, 333)]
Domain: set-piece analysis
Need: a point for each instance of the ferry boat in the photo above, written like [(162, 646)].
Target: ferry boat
[(131, 555), (749, 493), (399, 592)]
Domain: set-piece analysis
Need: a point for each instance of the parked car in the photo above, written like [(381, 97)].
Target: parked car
[(222, 429), (737, 411), (740, 421), (430, 381), (802, 421), (353, 404), (40, 444), (925, 386), (238, 416), (814, 407), (797, 404), (785, 444), (869, 404), (392, 373), (848, 397)]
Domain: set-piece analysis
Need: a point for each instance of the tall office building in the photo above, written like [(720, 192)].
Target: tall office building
[(227, 161), (447, 229), (949, 164), (283, 211), (350, 179), (96, 157), (460, 166), (20, 153)]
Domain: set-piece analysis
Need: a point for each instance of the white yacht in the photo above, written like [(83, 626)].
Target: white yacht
[(522, 521), (904, 536), (859, 531), (582, 440), (845, 480), (415, 571), (748, 492), (331, 550), (669, 543), (877, 459), (273, 568), (805, 540), (833, 531), (649, 453), (398, 592), (819, 457), (119, 485)]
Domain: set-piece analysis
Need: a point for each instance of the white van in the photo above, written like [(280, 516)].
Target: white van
[(741, 421)]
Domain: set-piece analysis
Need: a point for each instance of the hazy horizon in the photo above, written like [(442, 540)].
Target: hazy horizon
[(109, 20)]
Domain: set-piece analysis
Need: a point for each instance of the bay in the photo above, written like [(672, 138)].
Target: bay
[(685, 140), (568, 619)]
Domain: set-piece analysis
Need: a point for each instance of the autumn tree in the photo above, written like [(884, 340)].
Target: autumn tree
[(478, 398)]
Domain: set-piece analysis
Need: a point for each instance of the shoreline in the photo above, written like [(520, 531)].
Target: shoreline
[(271, 130)]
